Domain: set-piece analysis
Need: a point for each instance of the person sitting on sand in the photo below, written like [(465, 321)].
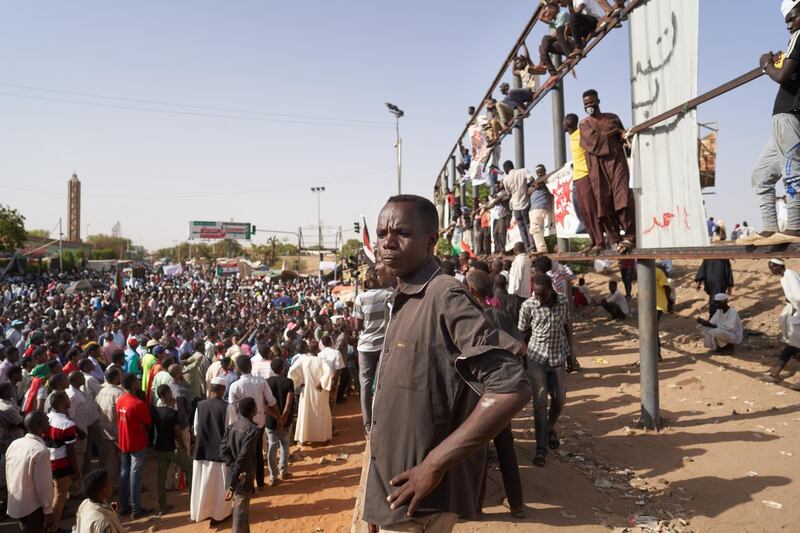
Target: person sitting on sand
[(790, 282), (615, 303), (724, 330)]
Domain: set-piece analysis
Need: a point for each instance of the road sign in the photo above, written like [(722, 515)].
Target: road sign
[(201, 229)]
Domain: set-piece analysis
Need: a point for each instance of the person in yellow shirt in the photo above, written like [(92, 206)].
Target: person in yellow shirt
[(585, 199), (662, 300)]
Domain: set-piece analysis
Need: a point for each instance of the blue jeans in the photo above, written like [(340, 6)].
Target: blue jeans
[(278, 438), (524, 225), (130, 480)]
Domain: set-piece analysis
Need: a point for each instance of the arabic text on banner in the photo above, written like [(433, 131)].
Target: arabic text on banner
[(664, 169)]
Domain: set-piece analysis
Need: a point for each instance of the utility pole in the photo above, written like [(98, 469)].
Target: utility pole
[(397, 112), (319, 191), (559, 144), (519, 134), (60, 247)]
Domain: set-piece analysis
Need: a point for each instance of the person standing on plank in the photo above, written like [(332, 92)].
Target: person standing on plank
[(602, 138), (584, 194), (781, 155)]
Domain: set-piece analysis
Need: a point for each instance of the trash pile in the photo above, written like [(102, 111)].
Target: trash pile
[(652, 505)]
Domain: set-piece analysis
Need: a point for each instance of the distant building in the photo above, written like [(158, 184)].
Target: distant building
[(74, 209)]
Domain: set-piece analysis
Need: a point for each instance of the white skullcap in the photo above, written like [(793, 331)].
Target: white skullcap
[(219, 380), (779, 262), (721, 297), (788, 5)]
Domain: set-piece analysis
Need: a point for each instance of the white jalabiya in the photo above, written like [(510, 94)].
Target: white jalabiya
[(209, 480), (314, 375), (729, 329)]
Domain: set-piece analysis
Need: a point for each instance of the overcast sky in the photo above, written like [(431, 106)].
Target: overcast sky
[(174, 111)]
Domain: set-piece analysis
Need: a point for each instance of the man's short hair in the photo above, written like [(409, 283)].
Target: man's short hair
[(543, 280), (500, 282), (128, 382), (163, 391), (244, 364), (76, 379), (427, 211), (58, 398), (85, 365), (277, 365), (112, 374), (247, 406), (479, 282), (507, 166), (326, 341), (572, 118), (93, 482), (542, 264), (591, 92)]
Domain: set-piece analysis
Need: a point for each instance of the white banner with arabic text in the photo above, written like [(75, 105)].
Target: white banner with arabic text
[(665, 175)]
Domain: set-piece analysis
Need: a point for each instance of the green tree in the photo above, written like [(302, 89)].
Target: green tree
[(351, 247), (106, 242), (12, 229), (69, 261), (40, 233)]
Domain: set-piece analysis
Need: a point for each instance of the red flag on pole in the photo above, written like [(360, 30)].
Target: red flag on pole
[(367, 244)]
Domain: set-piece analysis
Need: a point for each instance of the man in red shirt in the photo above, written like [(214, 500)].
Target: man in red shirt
[(133, 417)]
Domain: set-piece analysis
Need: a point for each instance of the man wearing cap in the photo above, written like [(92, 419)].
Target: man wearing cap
[(715, 276), (724, 330), (790, 282), (148, 359), (781, 155), (14, 333), (132, 365)]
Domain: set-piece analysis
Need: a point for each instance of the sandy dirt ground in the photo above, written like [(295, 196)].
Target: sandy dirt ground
[(727, 456)]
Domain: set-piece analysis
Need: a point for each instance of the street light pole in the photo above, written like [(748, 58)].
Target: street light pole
[(397, 112), (319, 191)]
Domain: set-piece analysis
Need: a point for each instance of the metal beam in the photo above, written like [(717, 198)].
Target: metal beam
[(521, 39), (722, 251), (701, 99)]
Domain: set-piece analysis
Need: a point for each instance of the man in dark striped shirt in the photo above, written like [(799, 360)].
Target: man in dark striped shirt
[(61, 439)]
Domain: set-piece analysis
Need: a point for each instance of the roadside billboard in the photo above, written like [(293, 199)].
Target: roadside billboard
[(202, 229)]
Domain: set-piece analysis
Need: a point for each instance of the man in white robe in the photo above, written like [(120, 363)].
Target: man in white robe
[(725, 327), (210, 477), (314, 378)]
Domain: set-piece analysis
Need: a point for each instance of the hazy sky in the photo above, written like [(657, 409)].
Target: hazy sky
[(160, 145)]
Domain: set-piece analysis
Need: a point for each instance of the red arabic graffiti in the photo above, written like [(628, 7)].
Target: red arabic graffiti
[(666, 220)]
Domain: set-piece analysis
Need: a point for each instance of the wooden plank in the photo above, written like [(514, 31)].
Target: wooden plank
[(720, 251)]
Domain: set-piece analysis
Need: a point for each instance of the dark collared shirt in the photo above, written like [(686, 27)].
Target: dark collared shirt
[(440, 353), (238, 449)]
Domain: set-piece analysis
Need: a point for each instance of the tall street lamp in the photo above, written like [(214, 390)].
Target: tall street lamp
[(397, 112), (318, 191)]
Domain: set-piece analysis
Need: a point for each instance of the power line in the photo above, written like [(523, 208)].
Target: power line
[(189, 106), (223, 193), (196, 114)]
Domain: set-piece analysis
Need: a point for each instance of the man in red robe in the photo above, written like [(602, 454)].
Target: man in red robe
[(602, 138)]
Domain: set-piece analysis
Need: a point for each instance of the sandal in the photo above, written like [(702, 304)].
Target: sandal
[(538, 459), (770, 379), (553, 441)]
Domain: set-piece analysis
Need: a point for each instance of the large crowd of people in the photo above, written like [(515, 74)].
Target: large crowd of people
[(196, 368)]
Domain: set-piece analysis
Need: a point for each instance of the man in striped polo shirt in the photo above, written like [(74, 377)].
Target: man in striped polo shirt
[(62, 436), (370, 312)]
